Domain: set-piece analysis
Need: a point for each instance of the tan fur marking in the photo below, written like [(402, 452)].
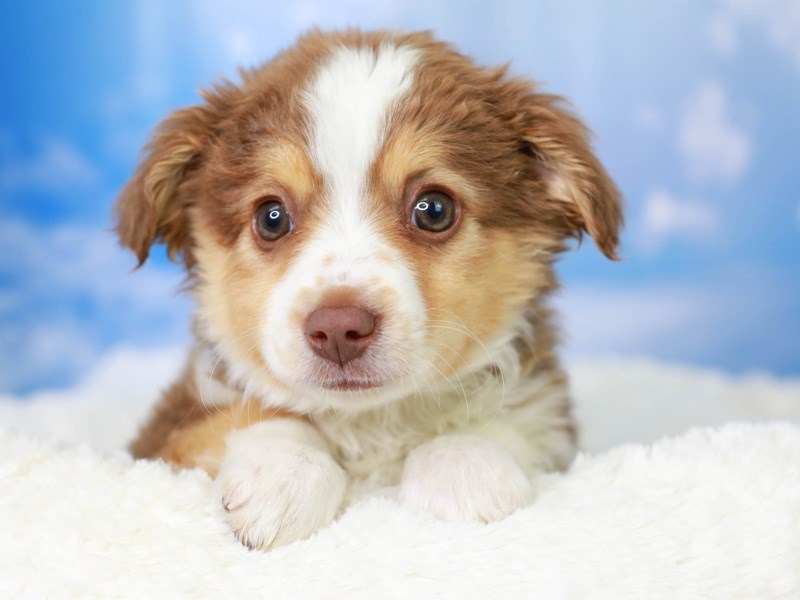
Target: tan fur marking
[(285, 171), (187, 434), (202, 444), (516, 161), (179, 407), (340, 296)]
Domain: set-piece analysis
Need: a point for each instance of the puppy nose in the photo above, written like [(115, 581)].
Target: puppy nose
[(340, 333)]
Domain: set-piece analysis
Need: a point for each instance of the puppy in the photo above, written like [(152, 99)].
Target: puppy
[(369, 224)]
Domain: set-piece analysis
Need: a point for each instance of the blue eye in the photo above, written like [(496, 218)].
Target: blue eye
[(434, 212), (272, 220)]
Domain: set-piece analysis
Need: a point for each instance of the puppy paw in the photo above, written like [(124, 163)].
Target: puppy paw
[(275, 491), (464, 478)]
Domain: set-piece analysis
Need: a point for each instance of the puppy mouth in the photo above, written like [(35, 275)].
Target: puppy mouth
[(348, 385), (348, 378)]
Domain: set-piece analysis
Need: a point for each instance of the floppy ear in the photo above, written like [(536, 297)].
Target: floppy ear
[(150, 208), (570, 172)]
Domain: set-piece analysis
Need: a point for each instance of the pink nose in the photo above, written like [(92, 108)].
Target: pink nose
[(340, 333)]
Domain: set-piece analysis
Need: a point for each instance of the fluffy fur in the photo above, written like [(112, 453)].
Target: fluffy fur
[(708, 514), (456, 394)]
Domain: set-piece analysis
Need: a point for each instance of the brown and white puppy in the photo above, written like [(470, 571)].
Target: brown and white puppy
[(369, 223)]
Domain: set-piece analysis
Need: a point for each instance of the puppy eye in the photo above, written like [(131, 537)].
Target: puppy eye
[(272, 220), (434, 211)]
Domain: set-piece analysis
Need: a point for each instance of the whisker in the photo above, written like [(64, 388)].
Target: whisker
[(449, 379), (497, 365), (216, 358)]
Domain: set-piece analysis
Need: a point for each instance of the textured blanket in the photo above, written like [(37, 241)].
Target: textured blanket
[(711, 513)]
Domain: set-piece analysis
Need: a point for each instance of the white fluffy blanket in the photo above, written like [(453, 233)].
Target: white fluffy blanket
[(712, 513)]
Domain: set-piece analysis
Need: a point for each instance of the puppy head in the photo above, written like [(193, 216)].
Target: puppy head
[(368, 215)]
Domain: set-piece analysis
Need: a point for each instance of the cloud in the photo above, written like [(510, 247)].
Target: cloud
[(106, 406), (666, 216), (73, 295), (240, 47), (722, 35), (631, 319), (745, 319), (624, 400), (714, 148), (247, 34), (41, 350), (303, 14), (648, 117), (81, 259), (57, 165), (778, 21)]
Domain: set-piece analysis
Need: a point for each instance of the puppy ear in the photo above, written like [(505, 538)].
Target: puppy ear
[(570, 173), (150, 208)]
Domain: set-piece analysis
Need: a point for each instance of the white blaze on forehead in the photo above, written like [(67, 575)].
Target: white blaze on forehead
[(349, 103)]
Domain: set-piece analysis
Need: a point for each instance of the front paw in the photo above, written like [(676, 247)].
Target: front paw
[(276, 491), (464, 478)]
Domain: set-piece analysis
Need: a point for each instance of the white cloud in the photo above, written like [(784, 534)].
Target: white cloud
[(307, 13), (714, 148), (666, 216), (745, 319), (32, 352), (57, 165), (241, 49), (648, 117), (73, 288), (777, 20), (106, 407), (620, 400), (79, 258), (249, 33), (632, 319), (303, 14), (722, 35)]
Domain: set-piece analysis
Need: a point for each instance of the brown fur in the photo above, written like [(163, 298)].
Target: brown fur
[(188, 434), (178, 408), (518, 163), (201, 442)]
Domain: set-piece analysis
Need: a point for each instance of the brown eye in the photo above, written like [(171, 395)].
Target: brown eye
[(434, 211), (272, 220)]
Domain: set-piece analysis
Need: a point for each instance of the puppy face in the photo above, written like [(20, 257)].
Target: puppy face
[(368, 216)]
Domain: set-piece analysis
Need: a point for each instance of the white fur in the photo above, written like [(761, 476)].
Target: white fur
[(372, 445), (398, 350), (213, 392), (710, 514), (349, 104), (464, 478), (278, 483)]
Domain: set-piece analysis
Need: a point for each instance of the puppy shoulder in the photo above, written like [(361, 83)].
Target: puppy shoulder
[(179, 406)]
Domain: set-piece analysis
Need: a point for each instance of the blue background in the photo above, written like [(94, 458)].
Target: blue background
[(695, 107)]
